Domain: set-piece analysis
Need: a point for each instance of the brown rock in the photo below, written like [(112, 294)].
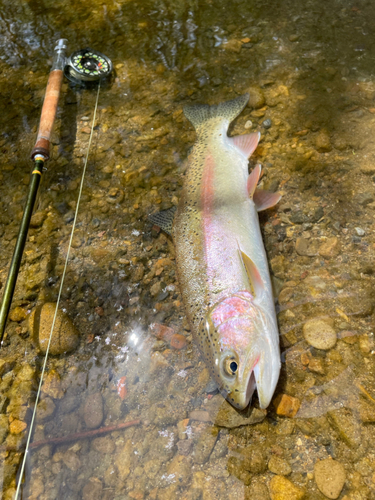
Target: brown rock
[(17, 314), (330, 477), (65, 336), (17, 426), (93, 412), (330, 248), (178, 341), (307, 248), (286, 406), (232, 45), (256, 98), (323, 142), (93, 490), (52, 385), (283, 489)]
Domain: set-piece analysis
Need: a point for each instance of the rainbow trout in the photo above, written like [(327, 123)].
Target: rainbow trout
[(221, 262)]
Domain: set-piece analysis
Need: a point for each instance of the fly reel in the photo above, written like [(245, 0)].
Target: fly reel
[(86, 66)]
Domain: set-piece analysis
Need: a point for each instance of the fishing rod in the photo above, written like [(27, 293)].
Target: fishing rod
[(82, 68)]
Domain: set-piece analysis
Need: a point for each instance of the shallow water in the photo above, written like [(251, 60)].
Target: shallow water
[(309, 69)]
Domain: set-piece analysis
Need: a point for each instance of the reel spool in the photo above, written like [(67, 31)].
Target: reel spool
[(86, 66)]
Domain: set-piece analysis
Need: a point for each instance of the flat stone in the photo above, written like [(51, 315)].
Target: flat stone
[(347, 426), (319, 334), (224, 415), (200, 415), (93, 412), (329, 477), (283, 489), (205, 445)]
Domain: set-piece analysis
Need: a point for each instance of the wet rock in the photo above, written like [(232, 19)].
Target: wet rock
[(4, 427), (286, 406), (205, 445), (152, 467), (256, 99), (103, 444), (323, 142), (65, 337), (52, 385), (254, 459), (307, 248), (200, 415), (366, 343), (93, 412), (257, 491), (279, 466), (329, 477), (37, 219), (17, 426), (319, 334), (185, 447), (224, 415), (267, 123), (93, 490), (347, 426), (178, 341), (17, 314), (46, 409), (232, 45), (237, 469), (71, 460), (329, 248), (180, 468), (283, 489), (365, 198), (124, 459)]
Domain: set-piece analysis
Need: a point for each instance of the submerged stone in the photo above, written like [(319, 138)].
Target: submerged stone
[(65, 337), (330, 477), (283, 489)]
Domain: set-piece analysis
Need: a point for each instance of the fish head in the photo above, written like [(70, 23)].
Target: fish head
[(241, 349)]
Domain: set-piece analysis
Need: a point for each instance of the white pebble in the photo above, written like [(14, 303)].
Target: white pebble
[(248, 124), (359, 231)]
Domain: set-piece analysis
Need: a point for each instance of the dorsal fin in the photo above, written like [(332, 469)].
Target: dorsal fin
[(255, 279), (253, 180), (246, 143), (164, 219), (265, 199)]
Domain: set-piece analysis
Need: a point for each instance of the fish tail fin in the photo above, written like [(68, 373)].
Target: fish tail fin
[(198, 114)]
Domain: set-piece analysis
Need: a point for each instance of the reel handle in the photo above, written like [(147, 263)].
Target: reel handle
[(50, 103)]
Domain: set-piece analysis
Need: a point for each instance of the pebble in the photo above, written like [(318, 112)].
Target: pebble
[(257, 491), (329, 477), (52, 385), (283, 489), (93, 490), (93, 412), (359, 231), (65, 336), (178, 341), (319, 334), (267, 123), (365, 198), (17, 426), (286, 406), (256, 99), (46, 409), (347, 426), (232, 45), (279, 466), (17, 314), (330, 247), (248, 124)]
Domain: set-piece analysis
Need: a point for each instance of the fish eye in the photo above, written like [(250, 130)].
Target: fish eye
[(230, 366)]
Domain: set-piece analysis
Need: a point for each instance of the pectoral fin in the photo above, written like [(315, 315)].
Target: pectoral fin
[(164, 219), (265, 199), (255, 279), (246, 143)]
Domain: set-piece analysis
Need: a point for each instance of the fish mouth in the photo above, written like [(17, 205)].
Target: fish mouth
[(242, 399)]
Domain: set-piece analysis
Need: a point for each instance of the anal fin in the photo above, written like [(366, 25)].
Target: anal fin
[(164, 219)]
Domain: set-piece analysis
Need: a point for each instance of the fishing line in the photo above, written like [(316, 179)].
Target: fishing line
[(58, 301)]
